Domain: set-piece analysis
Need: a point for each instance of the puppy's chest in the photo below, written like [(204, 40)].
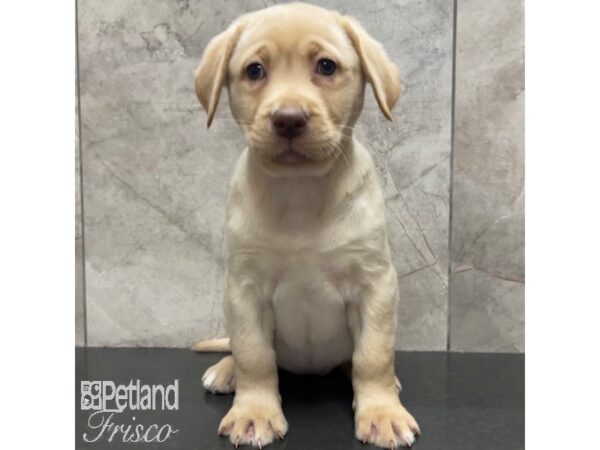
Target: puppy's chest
[(311, 269), (308, 278), (317, 278)]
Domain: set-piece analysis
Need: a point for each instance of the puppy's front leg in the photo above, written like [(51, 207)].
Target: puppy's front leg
[(256, 417), (380, 418)]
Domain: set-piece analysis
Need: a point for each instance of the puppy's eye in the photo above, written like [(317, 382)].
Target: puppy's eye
[(326, 67), (255, 71)]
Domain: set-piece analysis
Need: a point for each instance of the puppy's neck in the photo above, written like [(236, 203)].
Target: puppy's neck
[(299, 201)]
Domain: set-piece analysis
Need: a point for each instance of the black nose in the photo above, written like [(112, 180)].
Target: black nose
[(289, 122)]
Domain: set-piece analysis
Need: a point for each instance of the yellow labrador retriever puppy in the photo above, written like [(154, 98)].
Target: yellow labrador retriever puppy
[(310, 284)]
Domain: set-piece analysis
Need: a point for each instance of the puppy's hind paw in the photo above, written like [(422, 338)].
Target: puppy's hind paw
[(220, 378)]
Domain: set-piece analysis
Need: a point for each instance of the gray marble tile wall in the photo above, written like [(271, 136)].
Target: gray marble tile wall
[(487, 243), (155, 180)]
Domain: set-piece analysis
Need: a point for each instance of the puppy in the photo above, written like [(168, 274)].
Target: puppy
[(310, 284)]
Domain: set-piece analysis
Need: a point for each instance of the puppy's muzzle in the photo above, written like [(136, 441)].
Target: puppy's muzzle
[(289, 122)]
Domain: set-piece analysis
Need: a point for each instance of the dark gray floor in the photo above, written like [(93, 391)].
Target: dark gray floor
[(461, 401)]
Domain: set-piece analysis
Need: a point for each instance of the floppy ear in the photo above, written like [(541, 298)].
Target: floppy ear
[(377, 67), (211, 74)]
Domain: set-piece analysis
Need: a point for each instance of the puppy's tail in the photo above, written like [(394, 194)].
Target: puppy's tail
[(212, 345)]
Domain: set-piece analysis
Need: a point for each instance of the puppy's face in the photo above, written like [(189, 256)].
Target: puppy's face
[(296, 88), (295, 76)]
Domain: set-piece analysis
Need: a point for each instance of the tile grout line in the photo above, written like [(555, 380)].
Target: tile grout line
[(83, 278), (451, 178)]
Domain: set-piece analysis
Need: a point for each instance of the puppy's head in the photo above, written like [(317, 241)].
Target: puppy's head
[(296, 76)]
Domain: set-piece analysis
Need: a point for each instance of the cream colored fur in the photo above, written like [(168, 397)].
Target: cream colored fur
[(310, 284)]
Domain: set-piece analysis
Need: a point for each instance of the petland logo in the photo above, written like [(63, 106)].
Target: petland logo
[(106, 399)]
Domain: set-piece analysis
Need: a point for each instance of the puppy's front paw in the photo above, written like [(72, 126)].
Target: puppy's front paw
[(254, 424), (386, 426)]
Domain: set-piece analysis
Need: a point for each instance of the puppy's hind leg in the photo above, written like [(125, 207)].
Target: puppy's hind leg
[(220, 378)]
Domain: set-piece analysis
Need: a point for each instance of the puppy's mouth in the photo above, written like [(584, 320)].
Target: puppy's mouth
[(288, 160), (291, 157)]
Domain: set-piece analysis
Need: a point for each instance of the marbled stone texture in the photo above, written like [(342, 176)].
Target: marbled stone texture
[(155, 180), (487, 250)]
